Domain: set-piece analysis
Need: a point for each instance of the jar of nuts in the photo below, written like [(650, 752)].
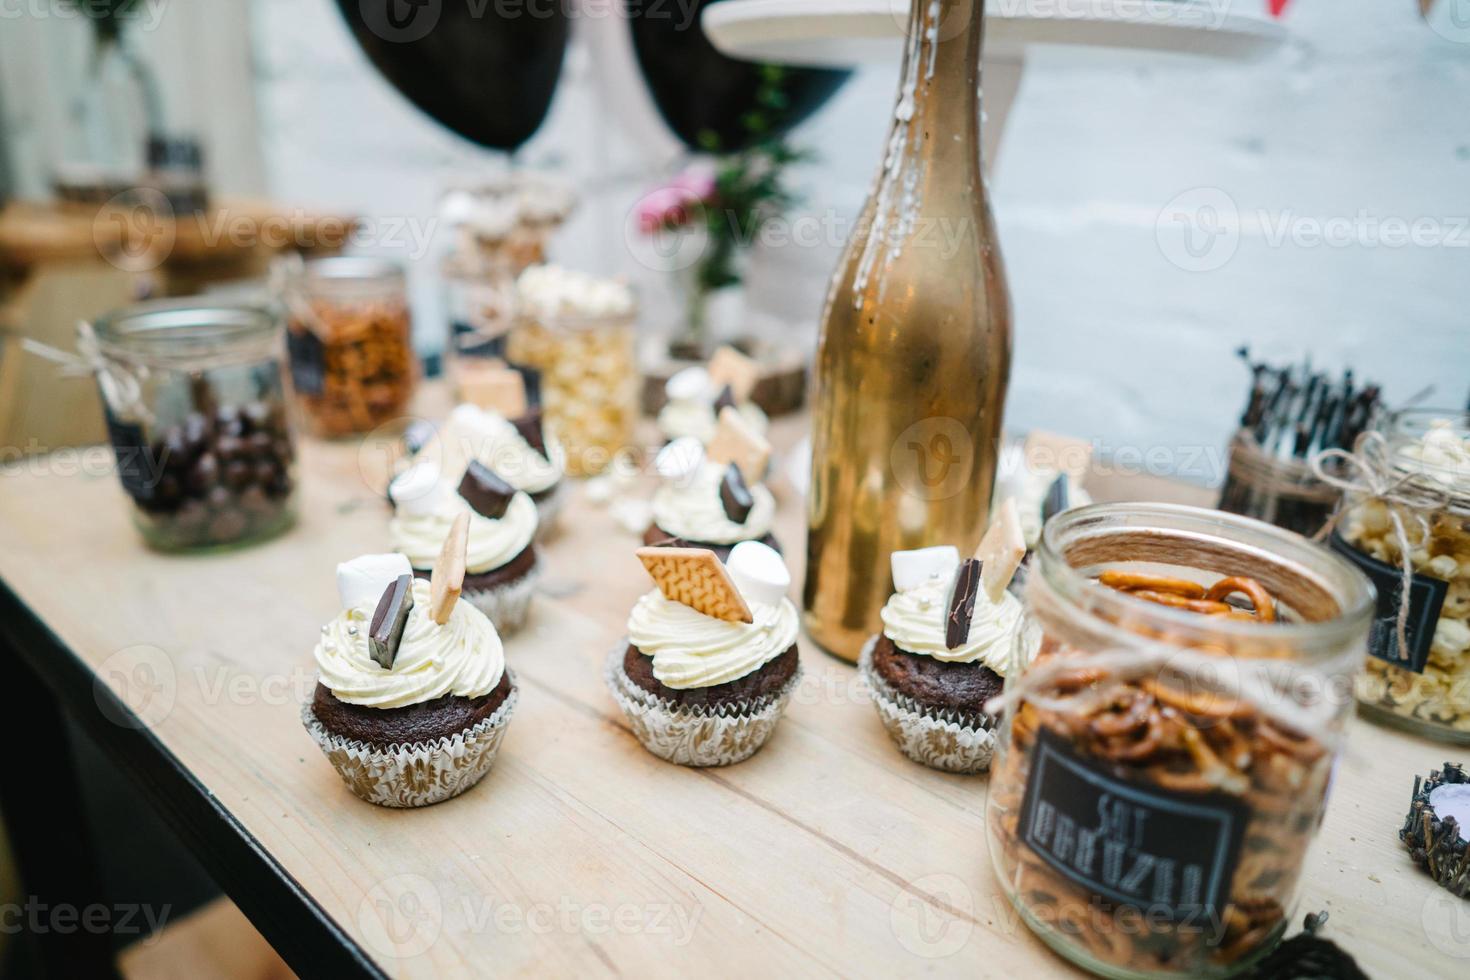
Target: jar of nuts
[(194, 396), (580, 333), (1163, 764), (350, 337), (1406, 523)]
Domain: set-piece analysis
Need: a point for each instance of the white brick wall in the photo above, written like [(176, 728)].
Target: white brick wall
[(1364, 113)]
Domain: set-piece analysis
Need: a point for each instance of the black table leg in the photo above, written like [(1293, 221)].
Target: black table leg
[(42, 806)]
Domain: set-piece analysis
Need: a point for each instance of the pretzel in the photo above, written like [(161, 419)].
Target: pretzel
[(1186, 740), (1129, 581), (1261, 600)]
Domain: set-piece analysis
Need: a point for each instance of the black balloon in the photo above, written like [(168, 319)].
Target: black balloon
[(485, 70), (712, 102)]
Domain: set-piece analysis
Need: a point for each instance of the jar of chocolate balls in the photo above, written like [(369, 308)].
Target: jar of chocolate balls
[(1163, 763), (195, 399), (350, 337)]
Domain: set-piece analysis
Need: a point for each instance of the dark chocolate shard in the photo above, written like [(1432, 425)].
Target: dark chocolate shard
[(488, 495), (417, 436), (1058, 499), (726, 397), (389, 619), (532, 377), (533, 430), (961, 605), (735, 495)]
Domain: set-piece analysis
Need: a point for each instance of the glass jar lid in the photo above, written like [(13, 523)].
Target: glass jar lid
[(1324, 600), (1428, 447), (188, 333)]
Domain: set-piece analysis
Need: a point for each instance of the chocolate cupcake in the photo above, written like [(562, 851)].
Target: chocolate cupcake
[(951, 635), (710, 499), (710, 659), (518, 447), (413, 696), (502, 564)]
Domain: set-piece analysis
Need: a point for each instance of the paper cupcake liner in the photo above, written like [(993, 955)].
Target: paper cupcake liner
[(935, 737), (548, 513), (507, 605), (419, 774), (695, 735)]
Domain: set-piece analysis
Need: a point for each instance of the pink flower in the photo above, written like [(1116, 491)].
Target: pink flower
[(698, 182), (667, 207)]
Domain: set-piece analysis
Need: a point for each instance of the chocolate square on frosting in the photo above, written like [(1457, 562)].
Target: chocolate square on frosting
[(488, 495), (735, 496), (389, 619), (961, 606)]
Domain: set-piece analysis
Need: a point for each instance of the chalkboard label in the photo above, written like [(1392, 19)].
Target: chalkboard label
[(470, 342), (308, 360), (1426, 599), (1131, 844), (134, 466)]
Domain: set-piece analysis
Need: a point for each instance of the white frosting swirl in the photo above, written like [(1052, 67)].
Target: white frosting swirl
[(696, 417), (464, 657), (915, 621), (493, 543), (474, 434), (690, 508), (692, 650)]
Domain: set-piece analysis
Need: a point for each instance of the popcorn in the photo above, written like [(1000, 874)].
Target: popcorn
[(1441, 694), (579, 332)]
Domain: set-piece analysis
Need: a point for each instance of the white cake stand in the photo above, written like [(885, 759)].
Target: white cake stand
[(844, 33)]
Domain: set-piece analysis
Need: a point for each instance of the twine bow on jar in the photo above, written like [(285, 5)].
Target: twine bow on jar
[(120, 386), (1367, 474)]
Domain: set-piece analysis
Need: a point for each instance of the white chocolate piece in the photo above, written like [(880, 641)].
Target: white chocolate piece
[(680, 459), (912, 569), (362, 581), (758, 572), (418, 490), (688, 384), (736, 442), (730, 367), (1001, 550)]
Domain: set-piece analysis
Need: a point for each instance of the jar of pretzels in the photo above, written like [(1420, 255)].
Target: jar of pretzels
[(1406, 523), (350, 337), (580, 333), (1162, 766)]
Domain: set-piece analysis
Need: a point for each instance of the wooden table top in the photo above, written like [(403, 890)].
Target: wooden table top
[(826, 853)]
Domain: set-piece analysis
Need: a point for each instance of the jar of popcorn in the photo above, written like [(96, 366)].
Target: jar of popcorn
[(580, 333), (1406, 523), (350, 338)]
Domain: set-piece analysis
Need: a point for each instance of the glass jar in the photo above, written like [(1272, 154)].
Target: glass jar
[(1419, 460), (479, 298), (194, 396), (1160, 773), (589, 381), (351, 341)]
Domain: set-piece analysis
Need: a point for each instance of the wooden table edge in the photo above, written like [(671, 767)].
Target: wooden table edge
[(305, 936)]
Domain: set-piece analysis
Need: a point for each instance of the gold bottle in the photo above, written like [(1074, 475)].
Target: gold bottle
[(915, 347)]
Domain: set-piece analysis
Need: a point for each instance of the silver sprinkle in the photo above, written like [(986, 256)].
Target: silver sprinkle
[(352, 631)]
